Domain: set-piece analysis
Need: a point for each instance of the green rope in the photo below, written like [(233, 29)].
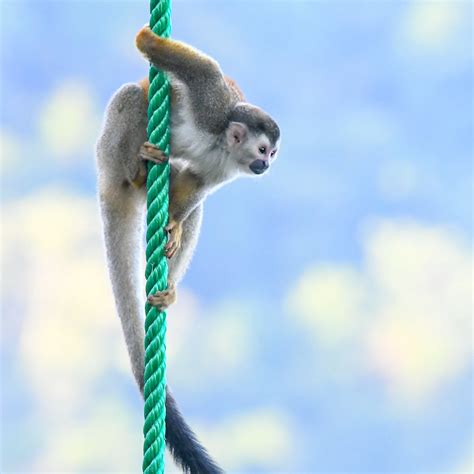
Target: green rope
[(156, 268)]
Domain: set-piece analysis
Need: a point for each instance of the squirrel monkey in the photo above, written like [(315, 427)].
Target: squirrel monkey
[(215, 137)]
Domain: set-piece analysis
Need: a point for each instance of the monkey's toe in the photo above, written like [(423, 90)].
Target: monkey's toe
[(171, 248), (140, 176), (150, 152), (174, 230)]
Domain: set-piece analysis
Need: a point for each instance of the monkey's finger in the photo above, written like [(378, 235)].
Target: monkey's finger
[(151, 146), (155, 159), (162, 299), (152, 149), (171, 249), (172, 243), (151, 152), (157, 299), (154, 303)]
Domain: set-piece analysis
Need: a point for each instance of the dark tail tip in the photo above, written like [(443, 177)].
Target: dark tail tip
[(183, 444)]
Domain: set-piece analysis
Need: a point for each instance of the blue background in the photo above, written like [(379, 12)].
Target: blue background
[(325, 322)]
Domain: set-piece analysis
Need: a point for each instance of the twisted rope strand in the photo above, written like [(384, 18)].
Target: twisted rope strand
[(156, 268)]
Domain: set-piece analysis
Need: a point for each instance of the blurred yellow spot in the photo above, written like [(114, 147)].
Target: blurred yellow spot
[(69, 121), (405, 316), (412, 355), (467, 464), (428, 25), (96, 442), (263, 439), (421, 334), (423, 268), (329, 300), (52, 251)]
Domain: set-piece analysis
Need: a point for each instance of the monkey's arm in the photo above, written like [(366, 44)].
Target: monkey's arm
[(210, 94)]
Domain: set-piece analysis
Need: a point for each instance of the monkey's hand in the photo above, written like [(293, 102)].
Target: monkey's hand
[(175, 231), (163, 299), (147, 152), (150, 152)]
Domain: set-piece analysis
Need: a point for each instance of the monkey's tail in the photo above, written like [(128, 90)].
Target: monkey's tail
[(183, 444), (122, 221), (122, 241), (123, 238)]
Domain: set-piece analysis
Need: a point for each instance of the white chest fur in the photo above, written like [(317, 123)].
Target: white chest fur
[(203, 152)]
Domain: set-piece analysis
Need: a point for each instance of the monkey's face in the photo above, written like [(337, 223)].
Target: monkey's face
[(253, 152), (262, 154)]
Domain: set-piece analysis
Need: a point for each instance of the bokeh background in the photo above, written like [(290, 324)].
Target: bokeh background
[(325, 322)]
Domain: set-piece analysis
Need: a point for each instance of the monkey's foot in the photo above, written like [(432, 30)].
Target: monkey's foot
[(175, 230), (150, 152), (163, 299), (139, 179)]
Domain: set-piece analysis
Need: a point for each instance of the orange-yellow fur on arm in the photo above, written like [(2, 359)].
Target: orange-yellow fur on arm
[(168, 50), (183, 187)]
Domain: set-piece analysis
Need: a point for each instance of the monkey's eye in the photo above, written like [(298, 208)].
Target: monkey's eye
[(272, 154), (262, 150)]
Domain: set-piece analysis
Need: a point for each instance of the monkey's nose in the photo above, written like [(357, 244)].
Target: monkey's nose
[(259, 166)]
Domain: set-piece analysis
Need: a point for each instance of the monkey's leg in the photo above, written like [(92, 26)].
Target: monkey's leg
[(163, 299), (187, 192), (179, 263)]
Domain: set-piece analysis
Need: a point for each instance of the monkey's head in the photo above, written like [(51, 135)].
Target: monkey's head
[(253, 138)]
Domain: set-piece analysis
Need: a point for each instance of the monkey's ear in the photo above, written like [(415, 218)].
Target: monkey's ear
[(236, 133)]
